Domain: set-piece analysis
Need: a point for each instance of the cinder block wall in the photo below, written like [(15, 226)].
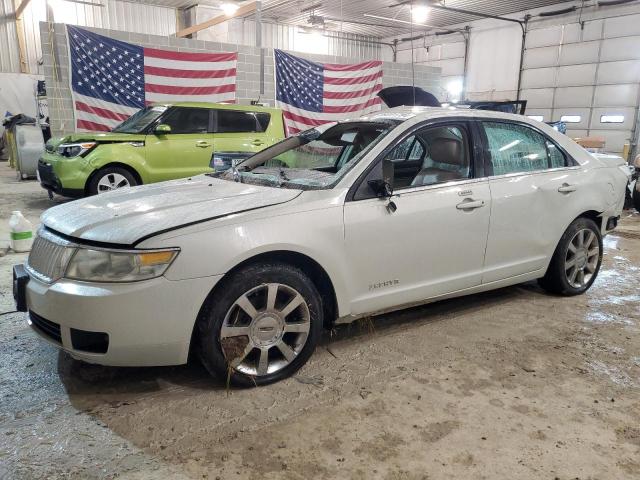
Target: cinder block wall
[(55, 58)]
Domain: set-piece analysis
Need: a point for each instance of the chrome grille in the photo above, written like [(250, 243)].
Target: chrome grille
[(49, 257)]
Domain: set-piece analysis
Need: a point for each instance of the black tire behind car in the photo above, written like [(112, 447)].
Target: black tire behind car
[(560, 277), (92, 186), (636, 197), (253, 282)]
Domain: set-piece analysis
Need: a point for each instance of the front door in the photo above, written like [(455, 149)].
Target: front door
[(186, 150), (434, 242)]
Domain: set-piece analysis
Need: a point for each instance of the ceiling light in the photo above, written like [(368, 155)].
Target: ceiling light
[(454, 88), (229, 8), (420, 13)]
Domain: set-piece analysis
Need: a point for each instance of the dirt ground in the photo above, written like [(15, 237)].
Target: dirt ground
[(509, 384)]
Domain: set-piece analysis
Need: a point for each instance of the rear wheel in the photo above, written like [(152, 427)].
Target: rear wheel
[(636, 196), (576, 261), (261, 326), (111, 178)]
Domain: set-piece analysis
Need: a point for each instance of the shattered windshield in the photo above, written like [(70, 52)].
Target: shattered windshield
[(315, 158), (140, 120)]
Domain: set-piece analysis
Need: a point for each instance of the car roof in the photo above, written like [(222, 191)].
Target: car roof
[(220, 106), (426, 113)]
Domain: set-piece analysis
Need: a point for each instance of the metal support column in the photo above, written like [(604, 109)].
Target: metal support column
[(523, 25), (258, 20)]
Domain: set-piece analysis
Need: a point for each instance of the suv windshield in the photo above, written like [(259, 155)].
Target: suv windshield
[(315, 158), (140, 120)]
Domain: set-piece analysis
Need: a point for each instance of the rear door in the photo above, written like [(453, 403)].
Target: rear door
[(535, 190), (238, 132), (434, 242), (187, 150)]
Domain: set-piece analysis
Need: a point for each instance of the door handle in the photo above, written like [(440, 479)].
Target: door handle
[(203, 144), (257, 143), (566, 188), (469, 204)]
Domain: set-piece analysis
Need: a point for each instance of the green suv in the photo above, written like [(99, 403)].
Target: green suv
[(160, 142)]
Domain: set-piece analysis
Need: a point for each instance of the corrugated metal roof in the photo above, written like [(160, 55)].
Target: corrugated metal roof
[(9, 59), (180, 3), (112, 14), (349, 15)]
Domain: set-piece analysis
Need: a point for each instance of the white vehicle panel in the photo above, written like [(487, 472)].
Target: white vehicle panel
[(388, 254), (431, 247)]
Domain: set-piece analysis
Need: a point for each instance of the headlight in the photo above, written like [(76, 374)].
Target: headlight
[(636, 162), (118, 266), (71, 150)]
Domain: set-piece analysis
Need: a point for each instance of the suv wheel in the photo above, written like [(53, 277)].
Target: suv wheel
[(110, 178), (576, 262), (261, 326), (636, 195)]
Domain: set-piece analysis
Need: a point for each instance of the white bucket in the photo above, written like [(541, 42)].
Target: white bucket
[(21, 232)]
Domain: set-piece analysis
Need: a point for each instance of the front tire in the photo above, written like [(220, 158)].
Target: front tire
[(261, 325), (636, 196), (576, 261), (110, 178)]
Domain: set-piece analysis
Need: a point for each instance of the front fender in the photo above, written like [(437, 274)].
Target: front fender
[(124, 153), (215, 249)]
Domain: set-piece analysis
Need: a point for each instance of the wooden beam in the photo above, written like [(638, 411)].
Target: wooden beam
[(245, 9), (21, 7), (24, 68)]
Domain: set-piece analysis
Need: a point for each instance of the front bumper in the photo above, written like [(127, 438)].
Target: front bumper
[(50, 181), (146, 323)]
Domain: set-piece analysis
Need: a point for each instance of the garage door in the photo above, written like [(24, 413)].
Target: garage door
[(586, 75)]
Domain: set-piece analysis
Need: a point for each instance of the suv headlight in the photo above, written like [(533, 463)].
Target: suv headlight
[(71, 150), (119, 266)]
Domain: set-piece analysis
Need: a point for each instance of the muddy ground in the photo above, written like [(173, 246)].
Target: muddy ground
[(509, 384)]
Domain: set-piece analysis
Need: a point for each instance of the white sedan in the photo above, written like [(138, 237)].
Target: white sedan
[(246, 267)]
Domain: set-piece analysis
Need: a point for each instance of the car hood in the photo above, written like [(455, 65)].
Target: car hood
[(107, 137), (130, 215)]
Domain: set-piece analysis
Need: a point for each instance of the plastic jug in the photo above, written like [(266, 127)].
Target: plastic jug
[(21, 232)]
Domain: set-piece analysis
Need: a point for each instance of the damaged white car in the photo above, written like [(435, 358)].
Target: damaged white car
[(246, 267)]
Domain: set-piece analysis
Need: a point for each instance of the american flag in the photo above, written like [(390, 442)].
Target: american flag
[(311, 93), (111, 79)]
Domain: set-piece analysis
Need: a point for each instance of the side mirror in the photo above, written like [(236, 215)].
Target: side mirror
[(384, 187), (388, 173), (162, 129)]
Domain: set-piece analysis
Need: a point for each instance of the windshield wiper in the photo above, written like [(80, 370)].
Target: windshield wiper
[(283, 175)]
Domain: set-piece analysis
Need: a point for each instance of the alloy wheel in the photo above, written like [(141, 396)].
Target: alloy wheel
[(112, 181), (582, 258), (265, 329)]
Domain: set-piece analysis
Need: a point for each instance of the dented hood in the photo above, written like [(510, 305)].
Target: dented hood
[(129, 215), (105, 137)]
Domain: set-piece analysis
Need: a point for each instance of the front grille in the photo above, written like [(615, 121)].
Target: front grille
[(47, 328), (48, 258)]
